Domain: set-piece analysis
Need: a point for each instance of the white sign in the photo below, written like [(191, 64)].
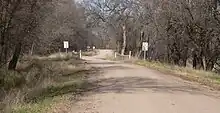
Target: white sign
[(66, 44), (144, 46)]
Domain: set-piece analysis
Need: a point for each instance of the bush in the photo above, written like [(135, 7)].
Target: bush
[(11, 79), (38, 79)]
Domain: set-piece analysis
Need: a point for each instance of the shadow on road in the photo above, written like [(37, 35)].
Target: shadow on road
[(104, 63), (139, 84), (134, 84)]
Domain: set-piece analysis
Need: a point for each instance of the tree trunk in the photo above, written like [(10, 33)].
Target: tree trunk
[(118, 46), (124, 40), (197, 62), (32, 49), (194, 61), (184, 62), (14, 60), (6, 53), (210, 65), (184, 57), (204, 62), (198, 59), (139, 45)]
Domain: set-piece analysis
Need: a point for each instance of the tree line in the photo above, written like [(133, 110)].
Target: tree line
[(40, 27), (178, 31)]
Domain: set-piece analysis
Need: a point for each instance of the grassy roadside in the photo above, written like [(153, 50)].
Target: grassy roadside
[(43, 85), (39, 107), (202, 77), (53, 99), (210, 79)]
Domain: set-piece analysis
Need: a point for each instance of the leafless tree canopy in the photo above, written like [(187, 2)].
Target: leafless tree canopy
[(178, 31), (40, 27)]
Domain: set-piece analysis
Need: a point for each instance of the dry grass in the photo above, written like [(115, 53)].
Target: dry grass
[(39, 84), (89, 53), (203, 77), (53, 57), (119, 57), (110, 58)]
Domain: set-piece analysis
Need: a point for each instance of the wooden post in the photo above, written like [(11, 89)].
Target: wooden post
[(60, 52), (80, 54), (129, 55), (115, 55)]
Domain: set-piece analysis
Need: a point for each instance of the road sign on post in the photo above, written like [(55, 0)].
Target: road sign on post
[(145, 48), (66, 45)]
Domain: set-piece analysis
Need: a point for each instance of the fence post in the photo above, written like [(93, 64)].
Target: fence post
[(80, 54), (59, 52), (115, 55), (129, 55)]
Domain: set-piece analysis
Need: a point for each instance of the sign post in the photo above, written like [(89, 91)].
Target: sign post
[(145, 48), (66, 45)]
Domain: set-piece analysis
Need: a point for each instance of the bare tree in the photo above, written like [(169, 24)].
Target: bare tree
[(40, 26), (178, 31), (18, 20)]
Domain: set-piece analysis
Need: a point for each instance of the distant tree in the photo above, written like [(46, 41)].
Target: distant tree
[(178, 31), (40, 27)]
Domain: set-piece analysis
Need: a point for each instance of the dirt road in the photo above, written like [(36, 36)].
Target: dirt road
[(125, 88)]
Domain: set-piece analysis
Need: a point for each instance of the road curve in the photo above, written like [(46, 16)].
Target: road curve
[(125, 88)]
